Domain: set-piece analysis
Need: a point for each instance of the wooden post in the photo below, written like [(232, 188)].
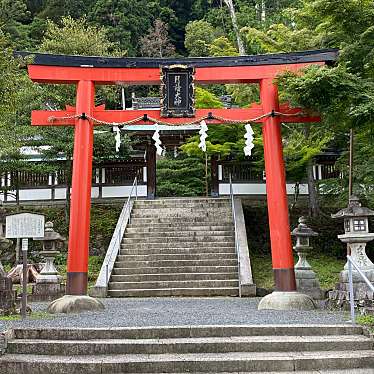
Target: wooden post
[(214, 176), (151, 171)]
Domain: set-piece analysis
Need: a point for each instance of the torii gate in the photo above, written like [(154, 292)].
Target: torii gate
[(86, 72)]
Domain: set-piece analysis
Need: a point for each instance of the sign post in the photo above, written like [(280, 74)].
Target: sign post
[(25, 246), (24, 226)]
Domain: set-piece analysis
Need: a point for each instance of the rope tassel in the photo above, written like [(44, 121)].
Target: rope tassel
[(203, 135), (249, 140)]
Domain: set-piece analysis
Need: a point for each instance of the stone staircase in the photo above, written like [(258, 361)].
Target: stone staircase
[(177, 247), (186, 349)]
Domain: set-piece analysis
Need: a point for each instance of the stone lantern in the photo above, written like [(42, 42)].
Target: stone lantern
[(48, 282), (356, 235), (306, 280)]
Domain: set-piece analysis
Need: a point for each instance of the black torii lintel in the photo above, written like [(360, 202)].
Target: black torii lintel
[(329, 56)]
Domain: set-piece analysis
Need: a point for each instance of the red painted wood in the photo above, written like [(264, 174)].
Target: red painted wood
[(281, 245), (41, 117), (79, 228), (147, 76)]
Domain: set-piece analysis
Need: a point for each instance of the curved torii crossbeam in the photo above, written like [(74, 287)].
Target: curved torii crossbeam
[(86, 72)]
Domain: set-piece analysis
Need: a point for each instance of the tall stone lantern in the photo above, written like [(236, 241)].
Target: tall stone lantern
[(356, 235), (306, 280), (48, 282)]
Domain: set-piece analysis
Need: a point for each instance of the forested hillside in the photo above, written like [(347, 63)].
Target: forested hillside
[(343, 94)]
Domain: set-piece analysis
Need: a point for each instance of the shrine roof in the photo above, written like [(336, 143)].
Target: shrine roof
[(321, 55)]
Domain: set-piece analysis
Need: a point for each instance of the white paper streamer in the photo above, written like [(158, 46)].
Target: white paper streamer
[(117, 137), (203, 135), (249, 140), (156, 138)]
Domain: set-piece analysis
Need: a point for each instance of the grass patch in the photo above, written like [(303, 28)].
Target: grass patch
[(367, 321), (33, 316), (326, 267)]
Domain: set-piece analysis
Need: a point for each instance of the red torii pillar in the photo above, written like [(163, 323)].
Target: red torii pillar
[(79, 227), (86, 76), (281, 245)]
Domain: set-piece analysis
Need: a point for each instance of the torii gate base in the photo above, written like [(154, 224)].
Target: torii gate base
[(86, 72)]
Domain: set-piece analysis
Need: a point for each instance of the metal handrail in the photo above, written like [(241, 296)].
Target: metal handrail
[(115, 243), (350, 278), (236, 233)]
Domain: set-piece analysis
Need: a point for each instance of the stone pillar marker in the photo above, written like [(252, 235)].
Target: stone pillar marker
[(48, 282), (7, 295), (306, 280), (356, 235)]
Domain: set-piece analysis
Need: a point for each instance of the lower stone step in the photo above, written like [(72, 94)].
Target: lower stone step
[(113, 286), (173, 277), (168, 269), (190, 345), (157, 332), (161, 292), (171, 363)]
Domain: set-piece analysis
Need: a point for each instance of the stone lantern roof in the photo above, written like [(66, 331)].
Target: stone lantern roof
[(354, 209), (302, 229)]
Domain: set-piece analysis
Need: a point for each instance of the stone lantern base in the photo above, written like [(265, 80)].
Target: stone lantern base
[(308, 284), (47, 291), (363, 296)]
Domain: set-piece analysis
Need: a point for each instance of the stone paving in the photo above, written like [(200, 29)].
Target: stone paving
[(129, 312)]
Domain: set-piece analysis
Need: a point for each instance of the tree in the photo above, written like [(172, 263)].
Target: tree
[(75, 37), (234, 21), (127, 21), (344, 94), (199, 37), (157, 43)]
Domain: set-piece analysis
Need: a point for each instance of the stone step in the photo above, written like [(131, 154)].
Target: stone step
[(203, 245), (176, 263), (166, 332), (233, 362), (209, 217), (190, 345), (183, 205), (183, 221), (173, 284), (171, 269), (182, 201), (177, 256), (175, 292), (180, 250), (170, 239), (171, 227), (173, 277), (177, 234)]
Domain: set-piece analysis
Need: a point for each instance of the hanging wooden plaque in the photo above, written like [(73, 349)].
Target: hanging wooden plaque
[(177, 91)]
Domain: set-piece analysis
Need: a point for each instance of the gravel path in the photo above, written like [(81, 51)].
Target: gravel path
[(178, 311)]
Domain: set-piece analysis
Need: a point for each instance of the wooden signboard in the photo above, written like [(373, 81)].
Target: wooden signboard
[(24, 225)]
